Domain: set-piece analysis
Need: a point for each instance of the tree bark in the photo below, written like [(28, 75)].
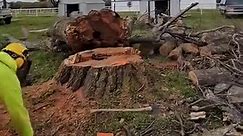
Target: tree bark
[(102, 70), (210, 77)]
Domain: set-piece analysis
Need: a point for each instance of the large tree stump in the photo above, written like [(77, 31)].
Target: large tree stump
[(103, 70)]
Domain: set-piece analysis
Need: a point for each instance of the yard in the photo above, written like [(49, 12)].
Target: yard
[(176, 86)]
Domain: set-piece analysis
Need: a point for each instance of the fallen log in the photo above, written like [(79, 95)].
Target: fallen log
[(189, 48), (167, 47), (103, 70), (176, 53), (210, 77), (103, 28), (218, 49)]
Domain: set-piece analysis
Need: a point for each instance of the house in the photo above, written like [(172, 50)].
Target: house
[(66, 7), (170, 7), (203, 4)]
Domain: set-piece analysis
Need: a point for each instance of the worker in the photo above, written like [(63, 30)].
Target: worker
[(12, 57)]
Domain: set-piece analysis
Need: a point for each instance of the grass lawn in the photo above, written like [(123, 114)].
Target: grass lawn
[(31, 23), (211, 19)]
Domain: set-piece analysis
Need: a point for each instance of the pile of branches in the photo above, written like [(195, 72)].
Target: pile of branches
[(213, 60)]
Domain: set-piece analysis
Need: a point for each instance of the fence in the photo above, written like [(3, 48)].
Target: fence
[(35, 12)]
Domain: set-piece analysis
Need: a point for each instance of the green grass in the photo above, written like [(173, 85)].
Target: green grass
[(136, 123), (45, 65), (31, 23), (210, 19), (177, 82)]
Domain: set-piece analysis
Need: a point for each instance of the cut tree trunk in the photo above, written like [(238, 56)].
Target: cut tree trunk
[(103, 28), (167, 47), (103, 70), (210, 77), (176, 53), (190, 48)]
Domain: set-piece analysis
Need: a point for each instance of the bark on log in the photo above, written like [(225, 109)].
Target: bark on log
[(218, 49), (103, 28), (102, 70), (190, 48), (210, 77)]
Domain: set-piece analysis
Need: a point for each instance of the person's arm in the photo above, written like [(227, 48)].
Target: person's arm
[(11, 95), (18, 113)]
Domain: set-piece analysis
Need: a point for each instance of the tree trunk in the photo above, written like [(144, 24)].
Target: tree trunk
[(210, 77), (102, 70), (167, 47), (103, 28), (176, 53)]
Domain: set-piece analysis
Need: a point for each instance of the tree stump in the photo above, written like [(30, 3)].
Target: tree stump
[(103, 70)]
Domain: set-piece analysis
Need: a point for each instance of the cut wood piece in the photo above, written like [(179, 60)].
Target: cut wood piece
[(218, 49), (167, 47), (190, 48), (197, 115), (235, 94), (210, 77), (103, 70), (122, 110), (176, 53), (205, 51), (103, 28)]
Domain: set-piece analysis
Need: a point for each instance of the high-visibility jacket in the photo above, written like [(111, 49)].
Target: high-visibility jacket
[(11, 96)]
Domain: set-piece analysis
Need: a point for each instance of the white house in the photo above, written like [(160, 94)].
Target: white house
[(203, 4), (65, 7), (172, 7)]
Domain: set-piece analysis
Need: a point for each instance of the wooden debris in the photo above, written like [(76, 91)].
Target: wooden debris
[(205, 51), (122, 110), (167, 47), (197, 115), (221, 87), (105, 134), (190, 48), (235, 94), (209, 77), (218, 49), (176, 53)]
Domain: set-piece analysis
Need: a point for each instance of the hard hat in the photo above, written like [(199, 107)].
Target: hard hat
[(17, 51)]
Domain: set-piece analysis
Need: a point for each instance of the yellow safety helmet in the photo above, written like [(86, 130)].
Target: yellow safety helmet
[(17, 51)]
